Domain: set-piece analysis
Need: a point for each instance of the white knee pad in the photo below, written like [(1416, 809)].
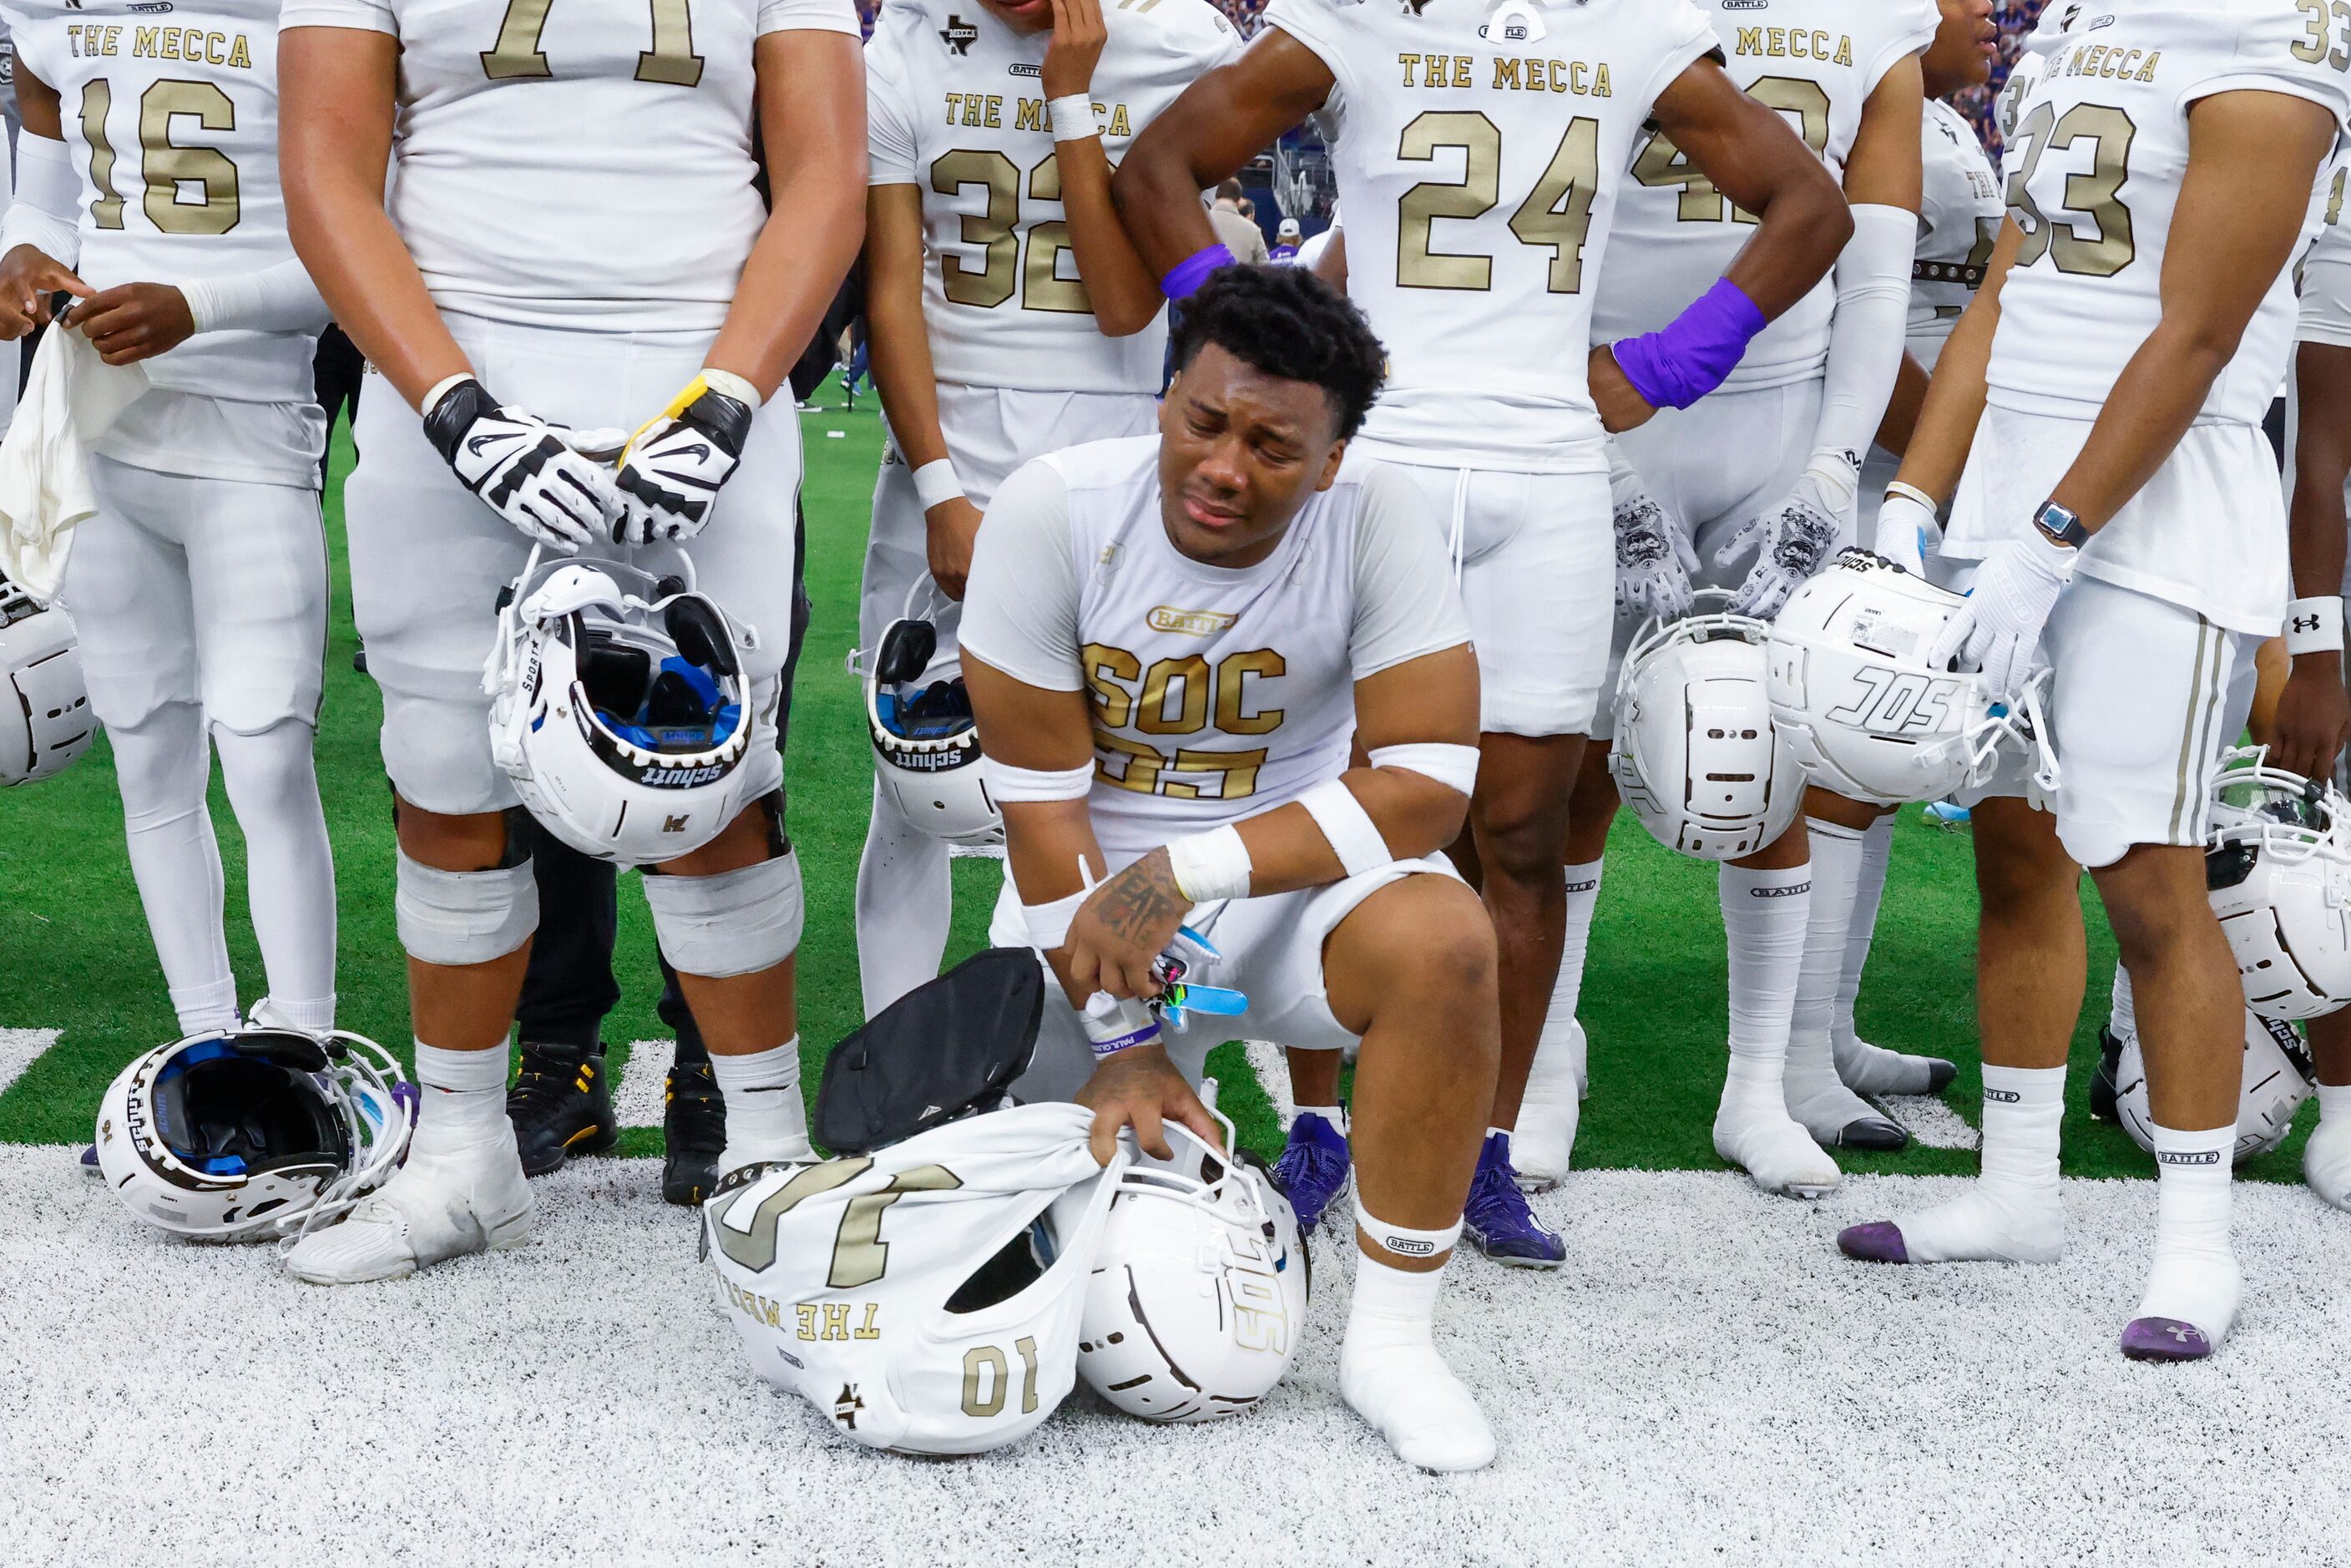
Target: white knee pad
[(736, 923), (459, 917)]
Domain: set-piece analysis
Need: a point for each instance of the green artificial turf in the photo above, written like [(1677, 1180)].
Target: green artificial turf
[(78, 959)]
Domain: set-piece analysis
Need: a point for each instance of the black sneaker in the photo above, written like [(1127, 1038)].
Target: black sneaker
[(560, 1105), (2103, 1083), (694, 1124)]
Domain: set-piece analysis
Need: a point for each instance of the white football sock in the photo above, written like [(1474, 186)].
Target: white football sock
[(314, 1014), (2194, 1279), (1867, 1069), (767, 1121), (161, 766), (2326, 1157), (273, 786), (1816, 1097), (1876, 854), (905, 902), (1551, 1107), (2124, 1019), (465, 1103), (2012, 1213), (1334, 1114), (1391, 1375), (1764, 915)]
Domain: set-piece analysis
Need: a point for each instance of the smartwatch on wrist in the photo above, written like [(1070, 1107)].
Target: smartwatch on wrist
[(2059, 527)]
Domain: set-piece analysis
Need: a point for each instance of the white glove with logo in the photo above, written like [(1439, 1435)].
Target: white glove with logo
[(1907, 528), (522, 467), (1794, 536), (1654, 557), (1998, 630), (674, 465)]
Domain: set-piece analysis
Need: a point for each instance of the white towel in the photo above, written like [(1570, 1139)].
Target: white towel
[(71, 398)]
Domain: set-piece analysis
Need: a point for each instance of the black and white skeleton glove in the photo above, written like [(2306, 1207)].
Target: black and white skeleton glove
[(674, 466), (524, 469)]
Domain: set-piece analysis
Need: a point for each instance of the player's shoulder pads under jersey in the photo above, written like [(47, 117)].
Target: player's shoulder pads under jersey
[(926, 1297)]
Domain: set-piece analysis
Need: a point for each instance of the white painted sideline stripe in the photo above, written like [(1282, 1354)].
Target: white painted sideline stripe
[(638, 1100), (1272, 1069), (18, 1047), (1706, 1381)]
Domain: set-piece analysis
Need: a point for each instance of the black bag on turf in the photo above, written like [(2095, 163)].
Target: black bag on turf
[(941, 1051)]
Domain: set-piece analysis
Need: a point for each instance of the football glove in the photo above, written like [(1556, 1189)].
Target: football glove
[(1793, 537), (522, 467), (1654, 557), (672, 468), (1906, 529), (1998, 630)]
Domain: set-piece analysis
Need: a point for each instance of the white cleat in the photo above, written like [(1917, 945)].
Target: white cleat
[(1543, 1142), (1410, 1398), (1768, 1145), (2190, 1307), (1869, 1068), (2327, 1161), (438, 1207), (1980, 1225)]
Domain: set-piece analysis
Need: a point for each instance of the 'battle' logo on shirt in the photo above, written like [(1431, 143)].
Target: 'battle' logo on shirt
[(1187, 623)]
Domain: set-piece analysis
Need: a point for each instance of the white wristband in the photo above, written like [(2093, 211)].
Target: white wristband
[(441, 388), (1455, 767), (935, 481), (1211, 866), (1049, 924), (728, 384), (2314, 625), (1898, 487), (1073, 117), (1354, 837)]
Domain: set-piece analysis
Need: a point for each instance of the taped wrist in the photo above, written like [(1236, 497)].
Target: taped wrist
[(736, 922), (1455, 767), (1397, 1241), (1049, 924), (1211, 866), (1073, 117), (2314, 625), (1013, 786), (1691, 355), (937, 481), (461, 918), (1355, 838)]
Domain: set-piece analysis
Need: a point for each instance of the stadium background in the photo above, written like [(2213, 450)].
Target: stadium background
[(1653, 1000)]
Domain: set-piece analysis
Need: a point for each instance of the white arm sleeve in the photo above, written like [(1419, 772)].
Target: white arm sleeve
[(45, 212), (1021, 605), (1406, 603), (279, 298), (1865, 335)]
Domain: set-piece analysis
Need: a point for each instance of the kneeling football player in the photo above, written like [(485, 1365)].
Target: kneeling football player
[(1170, 642)]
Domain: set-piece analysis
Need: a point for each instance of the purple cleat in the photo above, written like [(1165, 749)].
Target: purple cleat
[(1879, 1242), (2163, 1339), (1313, 1168)]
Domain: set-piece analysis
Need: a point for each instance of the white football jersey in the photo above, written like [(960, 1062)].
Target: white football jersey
[(1815, 61), (2032, 61), (171, 114), (955, 106), (927, 1297), (1958, 221), (2324, 313), (1217, 692), (578, 163), (2092, 173), (1480, 177)]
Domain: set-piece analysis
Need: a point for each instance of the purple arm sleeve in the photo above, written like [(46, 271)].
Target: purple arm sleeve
[(1689, 357), (1188, 275)]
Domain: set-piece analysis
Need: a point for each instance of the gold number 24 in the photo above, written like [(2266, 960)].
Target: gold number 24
[(672, 58)]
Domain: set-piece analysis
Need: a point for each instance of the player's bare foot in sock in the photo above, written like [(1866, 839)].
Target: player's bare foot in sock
[(2190, 1307), (1988, 1223), (1756, 1133), (1868, 1069)]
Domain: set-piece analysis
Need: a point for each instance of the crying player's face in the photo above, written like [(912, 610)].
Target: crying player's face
[(1240, 453)]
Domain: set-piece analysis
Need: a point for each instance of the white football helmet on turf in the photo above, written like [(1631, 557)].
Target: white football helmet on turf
[(926, 753), (924, 1297), (1199, 1289), (1863, 713), (45, 717), (1697, 758), (253, 1132), (2278, 1077), (620, 709), (2278, 868)]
